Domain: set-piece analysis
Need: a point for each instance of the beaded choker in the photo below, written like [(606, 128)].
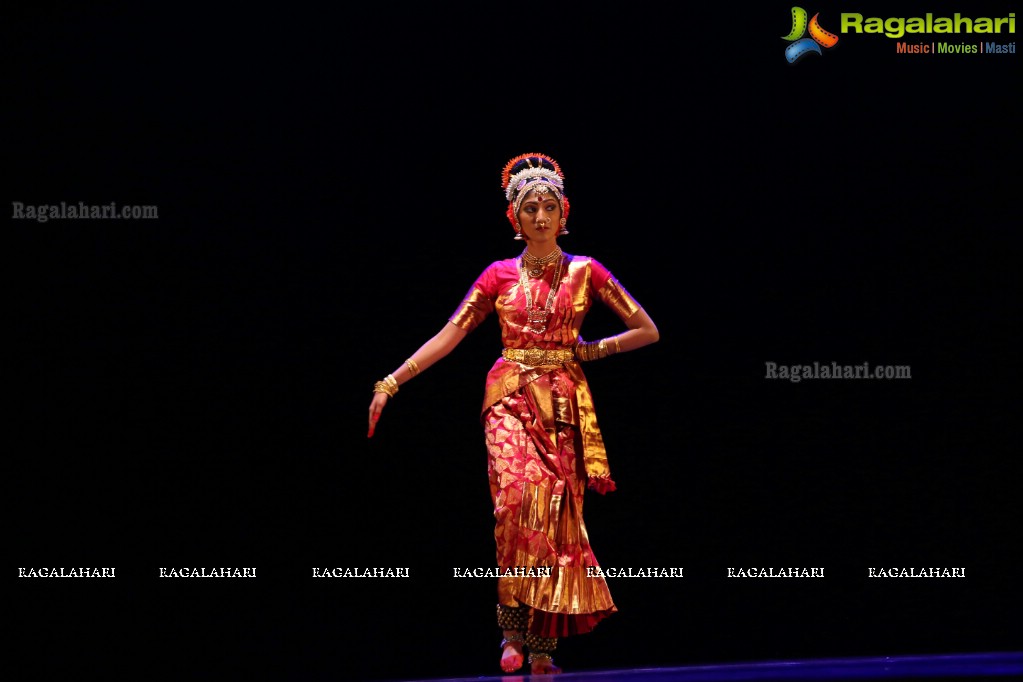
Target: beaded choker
[(537, 264)]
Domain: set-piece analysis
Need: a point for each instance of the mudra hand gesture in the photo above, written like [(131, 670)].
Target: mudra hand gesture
[(375, 408)]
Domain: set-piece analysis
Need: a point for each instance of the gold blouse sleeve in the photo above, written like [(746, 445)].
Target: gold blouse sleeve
[(618, 299), (474, 309)]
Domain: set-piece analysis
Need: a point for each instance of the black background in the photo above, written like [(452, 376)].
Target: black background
[(192, 391)]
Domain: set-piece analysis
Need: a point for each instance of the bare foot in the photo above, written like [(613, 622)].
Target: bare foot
[(511, 656), (542, 664)]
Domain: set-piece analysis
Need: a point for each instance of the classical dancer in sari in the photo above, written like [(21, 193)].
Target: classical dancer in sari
[(543, 443)]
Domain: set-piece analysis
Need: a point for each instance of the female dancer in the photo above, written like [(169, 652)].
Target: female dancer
[(541, 431)]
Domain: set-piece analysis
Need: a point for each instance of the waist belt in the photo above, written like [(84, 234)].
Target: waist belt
[(537, 357)]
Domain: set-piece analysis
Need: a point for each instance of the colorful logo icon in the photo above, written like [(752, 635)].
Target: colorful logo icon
[(801, 46)]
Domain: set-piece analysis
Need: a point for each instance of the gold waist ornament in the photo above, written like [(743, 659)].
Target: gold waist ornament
[(538, 357)]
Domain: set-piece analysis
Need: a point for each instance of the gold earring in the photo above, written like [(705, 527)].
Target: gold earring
[(563, 230)]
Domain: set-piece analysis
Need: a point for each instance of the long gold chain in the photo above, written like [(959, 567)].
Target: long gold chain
[(538, 316)]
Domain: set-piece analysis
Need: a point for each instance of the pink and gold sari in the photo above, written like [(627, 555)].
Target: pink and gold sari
[(544, 444)]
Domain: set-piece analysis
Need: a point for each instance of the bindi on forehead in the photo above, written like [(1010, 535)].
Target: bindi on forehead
[(539, 197)]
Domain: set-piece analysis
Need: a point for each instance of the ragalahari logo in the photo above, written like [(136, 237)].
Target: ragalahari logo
[(801, 46)]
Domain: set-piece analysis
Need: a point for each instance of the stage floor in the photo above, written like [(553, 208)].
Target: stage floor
[(960, 667)]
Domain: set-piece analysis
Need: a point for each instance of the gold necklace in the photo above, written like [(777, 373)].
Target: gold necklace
[(538, 317), (538, 263)]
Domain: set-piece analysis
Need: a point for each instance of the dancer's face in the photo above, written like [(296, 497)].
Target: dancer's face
[(539, 217)]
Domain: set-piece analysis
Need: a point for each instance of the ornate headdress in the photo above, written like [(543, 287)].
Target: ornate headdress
[(532, 172)]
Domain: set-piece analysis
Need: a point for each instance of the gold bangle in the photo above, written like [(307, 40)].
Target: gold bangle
[(597, 350), (388, 385), (587, 351), (413, 368)]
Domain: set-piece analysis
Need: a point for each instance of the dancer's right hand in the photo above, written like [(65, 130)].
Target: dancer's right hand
[(375, 408)]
